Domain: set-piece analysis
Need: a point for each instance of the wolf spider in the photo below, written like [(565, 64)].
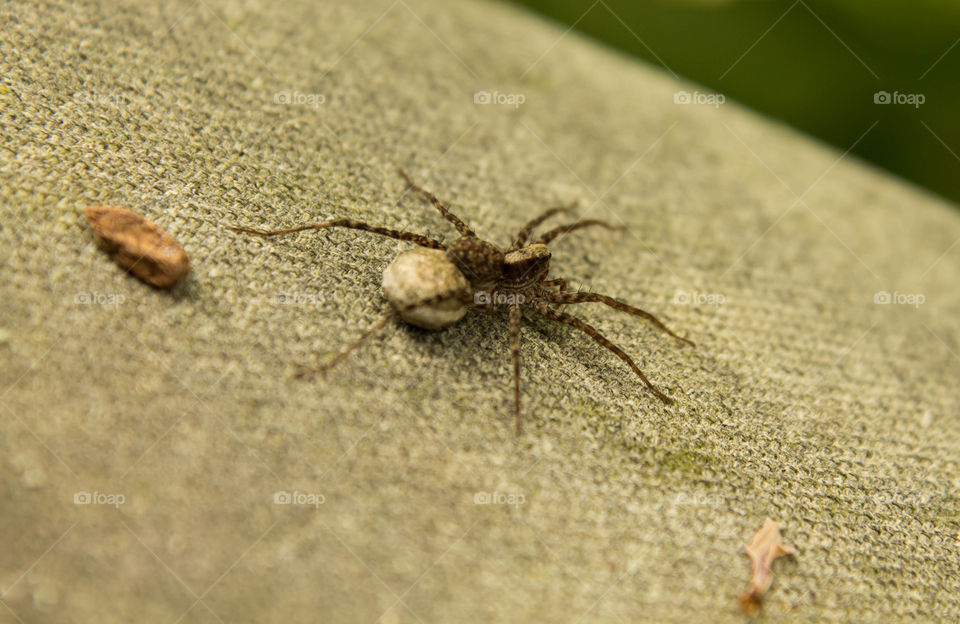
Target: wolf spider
[(477, 274)]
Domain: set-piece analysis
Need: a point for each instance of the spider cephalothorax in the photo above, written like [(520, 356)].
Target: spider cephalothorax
[(433, 285)]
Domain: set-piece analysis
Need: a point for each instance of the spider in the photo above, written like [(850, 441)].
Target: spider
[(432, 286)]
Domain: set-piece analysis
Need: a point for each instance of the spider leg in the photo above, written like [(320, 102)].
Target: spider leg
[(343, 354), (570, 227), (561, 284), (524, 234), (453, 294), (515, 315), (589, 297), (562, 317), (449, 216), (423, 241)]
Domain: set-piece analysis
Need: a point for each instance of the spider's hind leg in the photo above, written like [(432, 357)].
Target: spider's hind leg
[(379, 325), (343, 354), (561, 297)]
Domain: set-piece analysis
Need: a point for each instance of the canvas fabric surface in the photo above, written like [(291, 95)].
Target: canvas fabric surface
[(174, 417)]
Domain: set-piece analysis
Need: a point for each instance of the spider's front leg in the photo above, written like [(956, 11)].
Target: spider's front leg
[(562, 298), (439, 205), (419, 239), (590, 330), (527, 230), (560, 283)]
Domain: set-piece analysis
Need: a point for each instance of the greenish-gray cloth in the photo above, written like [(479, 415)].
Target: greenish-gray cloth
[(161, 464)]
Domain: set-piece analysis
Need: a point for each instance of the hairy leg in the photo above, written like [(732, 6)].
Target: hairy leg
[(449, 216), (524, 234), (570, 227), (343, 354), (561, 284), (462, 296), (589, 297), (423, 241), (591, 331)]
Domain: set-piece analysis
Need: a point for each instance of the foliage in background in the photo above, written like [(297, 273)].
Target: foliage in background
[(817, 64)]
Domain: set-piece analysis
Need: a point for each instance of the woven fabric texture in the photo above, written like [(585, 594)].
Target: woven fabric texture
[(148, 436)]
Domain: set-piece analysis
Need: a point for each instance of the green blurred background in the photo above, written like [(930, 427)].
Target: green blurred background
[(817, 64)]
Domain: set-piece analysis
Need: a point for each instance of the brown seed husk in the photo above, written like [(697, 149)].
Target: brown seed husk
[(139, 245)]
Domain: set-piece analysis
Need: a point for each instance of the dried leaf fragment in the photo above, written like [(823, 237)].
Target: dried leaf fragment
[(765, 547), (139, 245)]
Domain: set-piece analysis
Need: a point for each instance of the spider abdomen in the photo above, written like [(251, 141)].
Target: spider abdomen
[(419, 275), (480, 261)]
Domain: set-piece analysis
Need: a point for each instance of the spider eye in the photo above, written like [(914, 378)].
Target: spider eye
[(479, 261)]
